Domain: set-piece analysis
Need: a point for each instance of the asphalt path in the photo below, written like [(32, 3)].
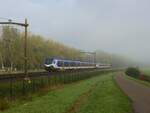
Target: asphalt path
[(138, 93)]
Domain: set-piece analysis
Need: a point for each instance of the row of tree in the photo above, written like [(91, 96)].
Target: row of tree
[(12, 51)]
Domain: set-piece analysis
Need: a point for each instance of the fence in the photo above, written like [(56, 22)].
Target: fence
[(19, 87)]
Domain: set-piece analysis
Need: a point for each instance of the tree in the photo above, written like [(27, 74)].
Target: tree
[(134, 72), (9, 37), (1, 57)]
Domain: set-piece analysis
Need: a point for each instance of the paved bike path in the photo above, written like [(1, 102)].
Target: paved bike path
[(138, 93)]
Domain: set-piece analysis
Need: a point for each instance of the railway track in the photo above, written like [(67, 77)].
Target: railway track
[(44, 73), (21, 75)]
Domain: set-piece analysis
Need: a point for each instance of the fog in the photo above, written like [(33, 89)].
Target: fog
[(114, 26)]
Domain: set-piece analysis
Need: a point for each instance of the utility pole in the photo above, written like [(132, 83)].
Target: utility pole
[(95, 57), (25, 49), (25, 25), (93, 53)]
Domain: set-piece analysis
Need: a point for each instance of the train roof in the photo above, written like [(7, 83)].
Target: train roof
[(68, 60)]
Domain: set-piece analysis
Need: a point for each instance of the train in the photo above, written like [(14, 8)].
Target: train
[(53, 64)]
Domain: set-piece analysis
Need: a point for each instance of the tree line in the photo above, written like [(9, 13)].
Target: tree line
[(12, 50), (39, 48)]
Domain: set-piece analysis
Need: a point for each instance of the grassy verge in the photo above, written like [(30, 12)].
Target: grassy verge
[(56, 101), (106, 98), (138, 80), (146, 71), (103, 97), (15, 88)]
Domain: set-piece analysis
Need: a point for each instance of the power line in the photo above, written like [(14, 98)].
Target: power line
[(8, 19), (25, 25)]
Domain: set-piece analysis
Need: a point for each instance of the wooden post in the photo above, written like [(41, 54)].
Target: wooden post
[(25, 49)]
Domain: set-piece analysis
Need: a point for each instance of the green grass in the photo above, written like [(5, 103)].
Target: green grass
[(138, 80), (106, 97), (55, 101), (16, 87), (146, 71), (145, 82)]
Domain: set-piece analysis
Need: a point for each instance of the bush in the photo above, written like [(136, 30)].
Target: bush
[(3, 104), (134, 72)]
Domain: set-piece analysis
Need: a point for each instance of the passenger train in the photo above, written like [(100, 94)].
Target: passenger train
[(52, 64)]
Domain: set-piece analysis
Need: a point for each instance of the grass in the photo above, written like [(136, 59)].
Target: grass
[(138, 80), (15, 88), (19, 90), (55, 101), (106, 97), (146, 71), (146, 81)]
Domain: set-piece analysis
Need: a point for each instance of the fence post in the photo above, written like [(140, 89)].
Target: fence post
[(49, 75), (33, 85), (23, 87), (11, 88)]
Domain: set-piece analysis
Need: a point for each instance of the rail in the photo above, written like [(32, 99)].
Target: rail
[(21, 75)]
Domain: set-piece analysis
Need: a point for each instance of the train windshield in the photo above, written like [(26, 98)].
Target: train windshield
[(48, 60)]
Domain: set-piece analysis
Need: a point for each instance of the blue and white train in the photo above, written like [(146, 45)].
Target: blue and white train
[(51, 64)]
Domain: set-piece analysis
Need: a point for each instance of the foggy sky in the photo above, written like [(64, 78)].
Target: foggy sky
[(115, 26)]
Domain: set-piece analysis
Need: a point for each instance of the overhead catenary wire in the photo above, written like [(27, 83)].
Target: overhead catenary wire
[(8, 19)]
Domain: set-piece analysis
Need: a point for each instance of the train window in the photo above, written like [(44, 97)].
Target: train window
[(72, 63), (66, 64), (69, 63), (60, 63), (54, 62), (75, 63), (48, 60), (78, 63)]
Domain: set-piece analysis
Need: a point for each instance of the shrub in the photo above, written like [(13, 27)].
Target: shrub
[(142, 77), (3, 104), (146, 78), (134, 72)]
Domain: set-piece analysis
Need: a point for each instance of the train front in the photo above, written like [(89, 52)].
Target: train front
[(48, 64)]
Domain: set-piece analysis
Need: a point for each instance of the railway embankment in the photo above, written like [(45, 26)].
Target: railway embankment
[(98, 94)]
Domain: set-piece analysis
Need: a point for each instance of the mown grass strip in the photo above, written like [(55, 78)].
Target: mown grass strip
[(76, 105), (57, 101), (101, 96), (106, 98), (138, 80), (146, 71)]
